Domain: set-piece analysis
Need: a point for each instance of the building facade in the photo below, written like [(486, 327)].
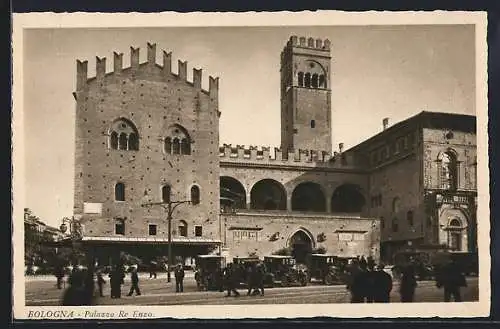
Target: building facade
[(145, 134)]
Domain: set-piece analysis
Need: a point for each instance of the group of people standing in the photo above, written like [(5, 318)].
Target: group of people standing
[(253, 273), (368, 283)]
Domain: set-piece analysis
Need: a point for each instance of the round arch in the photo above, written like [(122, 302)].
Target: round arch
[(347, 198), (232, 188), (268, 194), (308, 196)]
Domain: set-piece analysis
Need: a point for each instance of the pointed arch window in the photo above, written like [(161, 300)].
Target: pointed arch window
[(177, 141), (166, 191), (195, 195), (120, 192), (123, 135)]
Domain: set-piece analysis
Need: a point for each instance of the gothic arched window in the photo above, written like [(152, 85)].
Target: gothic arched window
[(178, 141), (448, 171), (123, 135), (120, 192), (195, 195)]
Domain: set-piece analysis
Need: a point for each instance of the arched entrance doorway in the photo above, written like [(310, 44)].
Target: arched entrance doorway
[(301, 245)]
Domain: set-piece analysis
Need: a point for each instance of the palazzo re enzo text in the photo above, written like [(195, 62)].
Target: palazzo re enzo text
[(147, 133)]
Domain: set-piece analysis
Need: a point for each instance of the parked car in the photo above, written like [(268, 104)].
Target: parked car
[(284, 271), (209, 272)]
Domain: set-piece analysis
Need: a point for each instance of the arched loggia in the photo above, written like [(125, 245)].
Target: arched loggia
[(268, 194), (308, 197), (347, 198), (232, 188)]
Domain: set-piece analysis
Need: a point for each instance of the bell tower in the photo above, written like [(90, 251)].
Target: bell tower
[(305, 95)]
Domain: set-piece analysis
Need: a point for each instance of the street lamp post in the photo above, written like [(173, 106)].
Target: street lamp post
[(169, 206)]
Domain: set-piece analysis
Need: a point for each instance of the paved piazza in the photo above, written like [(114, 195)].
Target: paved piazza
[(43, 292)]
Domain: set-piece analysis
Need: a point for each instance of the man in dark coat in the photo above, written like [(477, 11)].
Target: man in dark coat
[(179, 278), (134, 278), (407, 284), (382, 285), (357, 283), (451, 279), (230, 279)]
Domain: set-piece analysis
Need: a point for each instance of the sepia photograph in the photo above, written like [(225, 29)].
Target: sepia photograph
[(244, 165)]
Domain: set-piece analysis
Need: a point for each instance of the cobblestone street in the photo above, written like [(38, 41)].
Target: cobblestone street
[(159, 292)]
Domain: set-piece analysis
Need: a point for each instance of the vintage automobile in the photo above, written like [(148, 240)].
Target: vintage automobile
[(284, 271), (326, 268), (243, 265), (209, 272)]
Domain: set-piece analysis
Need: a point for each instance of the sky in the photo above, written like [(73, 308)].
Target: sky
[(377, 72)]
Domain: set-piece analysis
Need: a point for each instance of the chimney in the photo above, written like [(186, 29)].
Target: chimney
[(341, 147), (385, 123)]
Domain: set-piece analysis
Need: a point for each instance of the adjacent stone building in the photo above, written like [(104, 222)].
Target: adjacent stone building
[(146, 134)]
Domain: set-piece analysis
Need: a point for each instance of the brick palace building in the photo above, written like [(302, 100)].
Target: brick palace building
[(144, 134)]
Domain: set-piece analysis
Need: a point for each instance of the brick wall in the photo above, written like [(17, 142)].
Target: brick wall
[(153, 99)]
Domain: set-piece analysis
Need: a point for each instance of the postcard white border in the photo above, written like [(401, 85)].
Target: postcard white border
[(333, 18)]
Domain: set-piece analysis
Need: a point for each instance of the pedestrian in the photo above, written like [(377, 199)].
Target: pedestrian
[(230, 278), (369, 282), (59, 273), (100, 282), (382, 285), (451, 279), (250, 278), (407, 284), (179, 278), (152, 270), (116, 277), (357, 282), (259, 278), (134, 278)]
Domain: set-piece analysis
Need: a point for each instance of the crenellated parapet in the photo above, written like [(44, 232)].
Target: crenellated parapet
[(275, 155), (308, 42), (82, 78)]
